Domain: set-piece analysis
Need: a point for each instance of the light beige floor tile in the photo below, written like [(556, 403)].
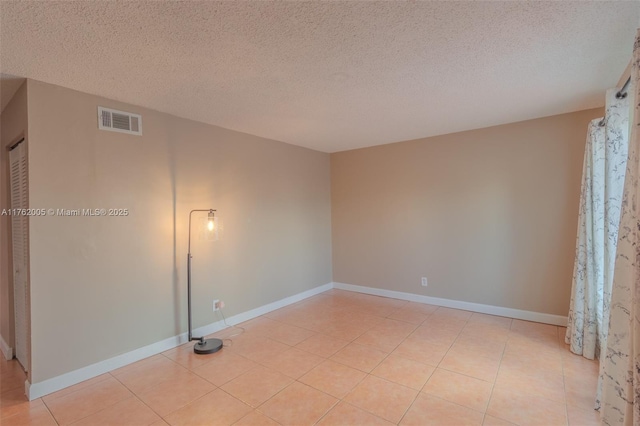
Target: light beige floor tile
[(147, 363), (12, 379), (257, 385), (256, 348), (492, 334), (225, 367), (298, 404), (215, 408), (345, 414), (526, 345), (579, 417), (422, 351), (523, 409), (430, 410), (420, 307), (580, 392), (434, 334), (35, 416), (476, 346), (545, 384), (87, 401), (363, 358), (399, 343), (469, 365), (344, 331), (401, 328), (410, 316), (185, 356), (382, 341), (404, 371), (129, 412), (14, 402), (451, 313), (333, 378), (256, 418), (460, 389), (322, 345), (493, 320), (386, 334), (289, 334), (9, 366), (494, 421), (74, 388), (293, 362), (259, 326), (175, 393), (383, 398), (534, 328), (361, 321), (545, 362), (577, 365), (143, 376)]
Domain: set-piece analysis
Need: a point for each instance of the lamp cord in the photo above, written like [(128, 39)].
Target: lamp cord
[(233, 335)]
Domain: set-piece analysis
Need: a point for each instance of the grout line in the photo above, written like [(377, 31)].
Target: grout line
[(95, 412), (83, 389), (49, 410), (181, 407), (136, 396), (436, 367), (564, 385), (154, 411), (46, 407), (341, 309), (493, 386), (367, 374)]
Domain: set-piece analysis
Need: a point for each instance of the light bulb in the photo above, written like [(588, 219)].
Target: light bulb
[(210, 222)]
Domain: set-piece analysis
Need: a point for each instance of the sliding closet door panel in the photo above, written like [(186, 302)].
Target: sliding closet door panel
[(20, 244)]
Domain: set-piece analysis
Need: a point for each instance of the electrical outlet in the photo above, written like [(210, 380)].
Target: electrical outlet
[(216, 305), (424, 281)]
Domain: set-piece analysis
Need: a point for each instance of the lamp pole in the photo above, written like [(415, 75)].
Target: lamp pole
[(204, 346)]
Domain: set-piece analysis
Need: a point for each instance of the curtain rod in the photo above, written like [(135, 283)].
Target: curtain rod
[(622, 93)]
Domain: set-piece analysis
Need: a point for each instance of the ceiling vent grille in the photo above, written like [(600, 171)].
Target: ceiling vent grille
[(119, 121)]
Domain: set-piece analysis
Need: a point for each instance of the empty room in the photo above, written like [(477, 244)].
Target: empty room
[(320, 212)]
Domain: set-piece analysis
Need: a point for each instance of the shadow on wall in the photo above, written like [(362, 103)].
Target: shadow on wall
[(175, 278)]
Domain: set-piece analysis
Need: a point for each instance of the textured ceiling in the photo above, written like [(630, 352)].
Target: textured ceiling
[(328, 75)]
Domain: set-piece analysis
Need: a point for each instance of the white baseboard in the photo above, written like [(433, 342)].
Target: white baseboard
[(456, 304), (7, 351), (37, 390), (265, 309)]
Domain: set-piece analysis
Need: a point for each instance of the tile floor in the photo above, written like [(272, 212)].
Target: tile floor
[(338, 358)]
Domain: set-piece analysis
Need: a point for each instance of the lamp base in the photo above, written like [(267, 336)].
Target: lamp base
[(208, 346)]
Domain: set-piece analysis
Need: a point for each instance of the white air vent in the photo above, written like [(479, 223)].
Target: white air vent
[(119, 121)]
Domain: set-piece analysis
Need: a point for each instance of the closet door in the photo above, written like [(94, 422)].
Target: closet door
[(20, 245)]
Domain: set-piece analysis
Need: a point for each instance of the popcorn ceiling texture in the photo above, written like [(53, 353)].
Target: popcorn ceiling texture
[(328, 75)]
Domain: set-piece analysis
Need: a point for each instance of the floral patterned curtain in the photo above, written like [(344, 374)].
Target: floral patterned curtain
[(620, 366), (605, 160)]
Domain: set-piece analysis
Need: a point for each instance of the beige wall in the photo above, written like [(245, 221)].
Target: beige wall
[(105, 286), (13, 126), (488, 216)]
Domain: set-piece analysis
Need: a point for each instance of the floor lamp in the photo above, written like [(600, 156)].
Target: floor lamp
[(204, 346)]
